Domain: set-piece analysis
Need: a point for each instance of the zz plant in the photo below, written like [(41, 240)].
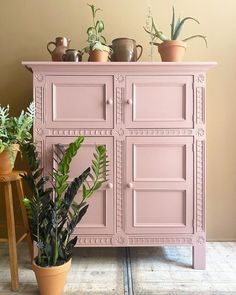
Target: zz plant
[(176, 28), (15, 130), (53, 211)]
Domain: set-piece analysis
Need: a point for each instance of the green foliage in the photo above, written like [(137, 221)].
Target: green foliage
[(95, 38), (52, 211), (15, 130), (176, 28)]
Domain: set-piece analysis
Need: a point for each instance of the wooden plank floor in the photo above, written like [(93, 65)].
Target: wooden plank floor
[(136, 271)]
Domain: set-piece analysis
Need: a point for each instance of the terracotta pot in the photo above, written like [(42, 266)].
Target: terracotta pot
[(98, 55), (5, 165), (51, 280), (172, 50)]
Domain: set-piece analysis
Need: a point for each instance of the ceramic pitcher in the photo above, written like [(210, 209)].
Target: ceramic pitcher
[(61, 45), (125, 49), (72, 55)]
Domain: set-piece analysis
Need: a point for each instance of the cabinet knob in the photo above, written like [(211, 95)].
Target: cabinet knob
[(129, 101), (109, 101), (130, 185), (110, 185)]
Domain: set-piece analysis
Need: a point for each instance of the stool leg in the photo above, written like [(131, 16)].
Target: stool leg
[(24, 215), (11, 236)]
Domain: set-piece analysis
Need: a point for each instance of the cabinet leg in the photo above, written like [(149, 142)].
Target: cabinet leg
[(199, 256)]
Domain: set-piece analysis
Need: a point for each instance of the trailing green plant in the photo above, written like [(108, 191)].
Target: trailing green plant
[(15, 130), (95, 38), (176, 28), (53, 211)]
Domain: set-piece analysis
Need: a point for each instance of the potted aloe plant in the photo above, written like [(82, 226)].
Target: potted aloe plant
[(172, 49), (97, 49), (53, 212), (14, 131)]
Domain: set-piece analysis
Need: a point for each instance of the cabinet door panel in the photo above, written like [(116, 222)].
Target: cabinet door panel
[(99, 217), (159, 185), (79, 101), (159, 102)]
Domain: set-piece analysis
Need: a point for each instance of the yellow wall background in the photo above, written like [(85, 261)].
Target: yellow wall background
[(26, 26)]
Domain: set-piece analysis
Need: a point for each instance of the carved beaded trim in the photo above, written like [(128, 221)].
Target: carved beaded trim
[(39, 105), (119, 189), (76, 132), (94, 241), (160, 132), (200, 100), (119, 106), (160, 240), (200, 198)]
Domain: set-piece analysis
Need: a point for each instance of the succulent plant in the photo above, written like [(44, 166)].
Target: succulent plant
[(15, 130), (176, 28)]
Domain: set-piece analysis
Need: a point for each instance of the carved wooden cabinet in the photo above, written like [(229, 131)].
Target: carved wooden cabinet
[(151, 118)]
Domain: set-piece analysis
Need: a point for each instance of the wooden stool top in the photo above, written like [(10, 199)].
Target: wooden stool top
[(13, 176)]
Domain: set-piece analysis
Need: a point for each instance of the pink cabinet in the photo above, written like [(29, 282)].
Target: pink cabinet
[(151, 117)]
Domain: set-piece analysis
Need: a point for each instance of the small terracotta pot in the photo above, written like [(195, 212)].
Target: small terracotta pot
[(51, 280), (5, 164), (98, 55), (172, 50)]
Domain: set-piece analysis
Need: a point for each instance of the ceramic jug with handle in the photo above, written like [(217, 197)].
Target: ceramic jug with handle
[(61, 45), (125, 49)]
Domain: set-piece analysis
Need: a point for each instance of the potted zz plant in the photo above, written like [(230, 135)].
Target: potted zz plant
[(53, 212), (172, 49), (14, 131), (97, 49)]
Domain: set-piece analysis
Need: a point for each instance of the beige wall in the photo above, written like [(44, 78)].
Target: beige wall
[(27, 25)]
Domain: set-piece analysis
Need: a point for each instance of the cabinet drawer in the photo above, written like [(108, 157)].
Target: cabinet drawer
[(159, 185), (79, 101), (99, 217), (159, 102)]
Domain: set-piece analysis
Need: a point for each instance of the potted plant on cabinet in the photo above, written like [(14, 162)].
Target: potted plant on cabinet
[(97, 49), (14, 131), (53, 212), (172, 49)]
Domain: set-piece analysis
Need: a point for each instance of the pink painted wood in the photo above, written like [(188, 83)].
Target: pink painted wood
[(151, 117)]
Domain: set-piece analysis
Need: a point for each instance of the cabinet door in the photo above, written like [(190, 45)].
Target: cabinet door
[(99, 217), (159, 185), (79, 101), (159, 102)]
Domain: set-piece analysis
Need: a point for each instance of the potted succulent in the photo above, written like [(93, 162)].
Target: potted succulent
[(97, 49), (172, 49), (14, 131), (53, 212)]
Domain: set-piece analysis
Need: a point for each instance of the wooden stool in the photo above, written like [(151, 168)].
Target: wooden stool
[(12, 242)]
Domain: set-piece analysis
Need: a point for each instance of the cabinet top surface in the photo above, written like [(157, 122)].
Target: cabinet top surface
[(118, 66)]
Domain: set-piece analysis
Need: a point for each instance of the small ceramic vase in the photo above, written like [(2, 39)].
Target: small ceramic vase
[(72, 55)]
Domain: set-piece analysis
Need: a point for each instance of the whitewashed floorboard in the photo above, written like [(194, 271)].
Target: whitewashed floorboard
[(168, 270)]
